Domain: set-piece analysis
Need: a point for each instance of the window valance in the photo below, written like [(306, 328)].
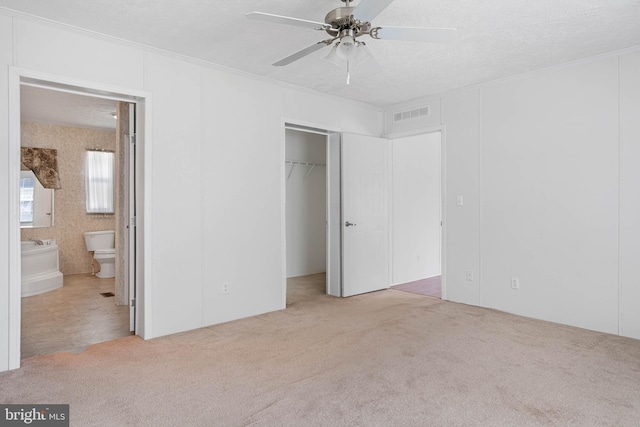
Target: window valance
[(44, 164)]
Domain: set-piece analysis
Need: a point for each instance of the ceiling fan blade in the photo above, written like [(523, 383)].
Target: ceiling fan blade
[(415, 34), (366, 10), (302, 53), (277, 19)]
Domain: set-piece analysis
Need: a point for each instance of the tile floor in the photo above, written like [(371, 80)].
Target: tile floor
[(72, 318)]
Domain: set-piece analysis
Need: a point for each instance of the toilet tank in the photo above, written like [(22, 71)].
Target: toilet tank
[(99, 240)]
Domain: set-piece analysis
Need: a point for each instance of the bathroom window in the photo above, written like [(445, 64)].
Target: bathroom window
[(100, 181)]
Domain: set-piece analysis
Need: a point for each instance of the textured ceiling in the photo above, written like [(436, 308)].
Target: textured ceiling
[(54, 107), (496, 38)]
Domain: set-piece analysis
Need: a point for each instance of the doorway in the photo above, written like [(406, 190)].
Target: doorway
[(88, 137), (133, 225), (311, 176), (409, 210), (305, 213), (417, 214)]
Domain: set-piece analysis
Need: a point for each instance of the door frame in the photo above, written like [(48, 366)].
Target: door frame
[(389, 136), (288, 123), (130, 210), (443, 196), (18, 76)]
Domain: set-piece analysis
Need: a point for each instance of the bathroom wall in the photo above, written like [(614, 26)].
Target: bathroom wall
[(70, 217)]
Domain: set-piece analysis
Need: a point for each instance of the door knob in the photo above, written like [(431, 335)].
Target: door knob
[(349, 224)]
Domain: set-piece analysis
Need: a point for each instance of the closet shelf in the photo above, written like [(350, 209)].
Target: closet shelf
[(294, 163)]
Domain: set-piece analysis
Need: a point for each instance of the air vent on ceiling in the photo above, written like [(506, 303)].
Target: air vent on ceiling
[(410, 114)]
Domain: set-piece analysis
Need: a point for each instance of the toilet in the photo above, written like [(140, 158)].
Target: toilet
[(102, 244)]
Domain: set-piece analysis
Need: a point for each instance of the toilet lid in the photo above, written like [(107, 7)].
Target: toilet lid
[(104, 251)]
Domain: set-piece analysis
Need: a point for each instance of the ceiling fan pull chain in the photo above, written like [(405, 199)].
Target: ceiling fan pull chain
[(348, 73)]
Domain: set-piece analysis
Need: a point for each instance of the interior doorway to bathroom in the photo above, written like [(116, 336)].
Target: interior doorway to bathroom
[(74, 121), (311, 213)]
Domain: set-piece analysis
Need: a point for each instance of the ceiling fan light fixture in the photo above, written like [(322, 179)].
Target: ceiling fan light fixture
[(333, 56), (363, 54), (347, 48)]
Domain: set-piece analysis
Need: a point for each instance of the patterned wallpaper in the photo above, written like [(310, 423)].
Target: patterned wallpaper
[(70, 217)]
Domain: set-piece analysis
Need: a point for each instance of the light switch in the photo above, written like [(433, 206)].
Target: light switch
[(460, 200)]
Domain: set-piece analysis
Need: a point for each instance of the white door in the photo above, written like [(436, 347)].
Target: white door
[(131, 158), (334, 223), (365, 214)]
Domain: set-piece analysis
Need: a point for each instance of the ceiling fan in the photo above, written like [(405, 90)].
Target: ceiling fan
[(346, 24)]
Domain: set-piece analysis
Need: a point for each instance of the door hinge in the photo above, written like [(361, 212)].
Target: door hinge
[(133, 302), (132, 139), (134, 221)]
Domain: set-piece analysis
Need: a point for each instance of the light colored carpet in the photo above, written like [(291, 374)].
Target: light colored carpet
[(388, 358)]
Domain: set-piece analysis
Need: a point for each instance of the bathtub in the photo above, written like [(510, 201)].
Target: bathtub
[(40, 268)]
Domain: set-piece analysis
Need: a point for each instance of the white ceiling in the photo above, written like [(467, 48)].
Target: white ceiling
[(67, 109), (496, 38)]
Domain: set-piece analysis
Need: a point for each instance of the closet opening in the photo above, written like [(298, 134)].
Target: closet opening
[(312, 212)]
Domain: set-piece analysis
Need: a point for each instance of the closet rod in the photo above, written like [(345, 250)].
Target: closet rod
[(291, 162)]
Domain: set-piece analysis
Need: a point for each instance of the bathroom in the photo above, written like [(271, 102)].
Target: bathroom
[(68, 124)]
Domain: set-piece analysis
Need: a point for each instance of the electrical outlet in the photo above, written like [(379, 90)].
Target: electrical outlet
[(470, 275), (515, 283), (225, 288)]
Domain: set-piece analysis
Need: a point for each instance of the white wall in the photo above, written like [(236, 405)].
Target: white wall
[(306, 204), (416, 207), (5, 59), (549, 176), (547, 166), (630, 195), (217, 151), (178, 189), (461, 143), (74, 54)]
